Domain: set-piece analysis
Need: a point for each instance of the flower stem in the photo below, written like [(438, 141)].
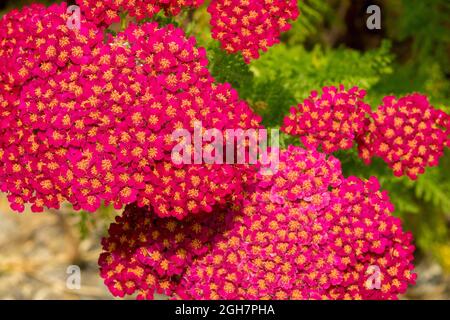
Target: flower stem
[(123, 21)]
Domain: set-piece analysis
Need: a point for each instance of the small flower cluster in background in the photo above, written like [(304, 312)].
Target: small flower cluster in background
[(250, 26), (331, 121), (408, 134)]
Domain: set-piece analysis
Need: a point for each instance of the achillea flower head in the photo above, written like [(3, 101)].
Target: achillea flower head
[(373, 253), (330, 121), (250, 26), (144, 254), (96, 126), (106, 12), (320, 241), (408, 133), (35, 45)]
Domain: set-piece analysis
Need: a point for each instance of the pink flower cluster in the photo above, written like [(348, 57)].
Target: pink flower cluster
[(368, 244), (250, 26), (106, 12), (35, 45), (91, 122), (320, 244), (331, 121), (144, 254), (303, 233), (261, 256), (408, 134)]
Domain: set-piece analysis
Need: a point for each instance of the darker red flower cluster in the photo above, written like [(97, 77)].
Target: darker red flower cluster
[(408, 134), (250, 26), (144, 254), (330, 240), (93, 122), (106, 12), (331, 121)]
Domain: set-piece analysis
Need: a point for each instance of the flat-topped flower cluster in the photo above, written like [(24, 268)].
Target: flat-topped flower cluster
[(331, 121), (96, 125), (304, 233), (106, 12), (248, 27), (407, 133)]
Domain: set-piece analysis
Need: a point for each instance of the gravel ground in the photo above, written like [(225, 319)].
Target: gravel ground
[(36, 251)]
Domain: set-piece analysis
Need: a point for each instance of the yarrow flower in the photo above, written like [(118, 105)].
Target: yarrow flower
[(409, 134), (35, 44), (250, 26), (330, 121), (91, 122), (307, 233), (144, 254), (304, 233), (106, 12)]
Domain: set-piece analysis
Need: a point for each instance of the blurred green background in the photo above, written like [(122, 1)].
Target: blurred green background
[(331, 45)]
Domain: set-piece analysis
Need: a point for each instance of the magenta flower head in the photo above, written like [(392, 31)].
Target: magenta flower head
[(250, 26), (372, 252), (91, 122), (330, 121), (106, 12), (144, 254), (35, 46), (36, 42), (307, 233), (409, 134)]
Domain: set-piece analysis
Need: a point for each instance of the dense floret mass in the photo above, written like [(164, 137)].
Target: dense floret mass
[(329, 239), (331, 120), (35, 45), (304, 233), (146, 255), (409, 134), (92, 122), (106, 12), (251, 26), (91, 119)]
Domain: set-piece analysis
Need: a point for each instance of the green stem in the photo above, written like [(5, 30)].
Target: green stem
[(123, 21)]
